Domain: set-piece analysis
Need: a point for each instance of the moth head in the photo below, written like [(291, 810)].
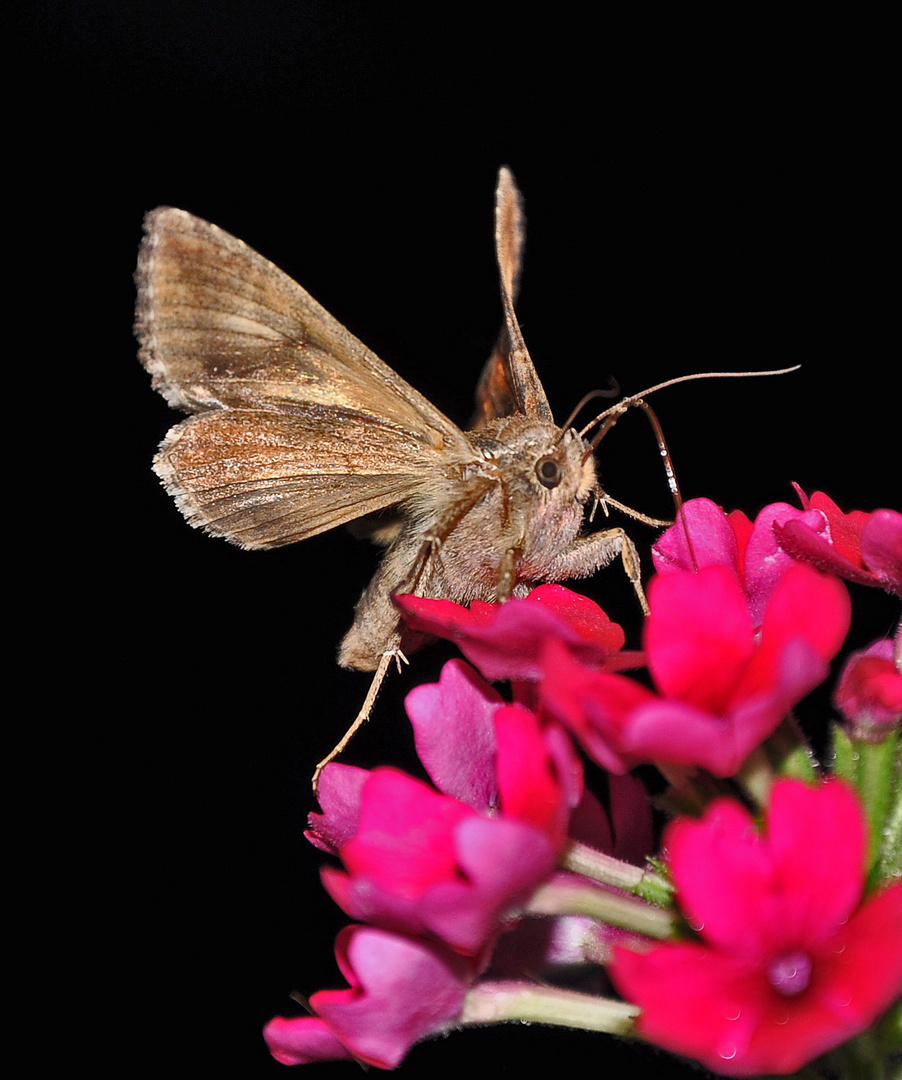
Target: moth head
[(561, 469)]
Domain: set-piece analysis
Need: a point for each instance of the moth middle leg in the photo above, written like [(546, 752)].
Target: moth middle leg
[(590, 553)]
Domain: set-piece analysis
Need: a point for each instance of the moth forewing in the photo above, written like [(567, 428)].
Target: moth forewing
[(219, 326), (300, 427), (509, 383)]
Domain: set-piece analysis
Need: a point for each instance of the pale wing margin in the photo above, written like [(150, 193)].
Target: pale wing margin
[(221, 327), (262, 479)]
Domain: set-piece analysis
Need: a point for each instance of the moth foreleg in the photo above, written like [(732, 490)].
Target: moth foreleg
[(590, 553), (438, 532)]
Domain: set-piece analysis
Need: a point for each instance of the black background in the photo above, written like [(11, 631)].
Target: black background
[(699, 197)]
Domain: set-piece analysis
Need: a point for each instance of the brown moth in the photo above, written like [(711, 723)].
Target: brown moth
[(298, 427)]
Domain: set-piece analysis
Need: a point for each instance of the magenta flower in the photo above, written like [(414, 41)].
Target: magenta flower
[(505, 641), (722, 688), (864, 548), (451, 865), (460, 723), (791, 961), (706, 536), (401, 990), (458, 865), (703, 536), (424, 863), (869, 692)]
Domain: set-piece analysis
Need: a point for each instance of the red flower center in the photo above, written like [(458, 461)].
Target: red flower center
[(790, 973)]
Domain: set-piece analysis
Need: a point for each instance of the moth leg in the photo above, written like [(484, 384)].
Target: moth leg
[(365, 709), (507, 573), (439, 532), (423, 561), (590, 553), (630, 559)]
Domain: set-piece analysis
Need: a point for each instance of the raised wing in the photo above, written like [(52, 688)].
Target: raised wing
[(222, 327), (301, 427), (509, 383)]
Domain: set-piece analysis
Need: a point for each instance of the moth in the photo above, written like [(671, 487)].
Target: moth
[(296, 427)]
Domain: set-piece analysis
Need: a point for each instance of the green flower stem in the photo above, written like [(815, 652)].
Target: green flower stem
[(594, 864), (570, 896), (878, 769), (889, 1031), (861, 1059), (874, 768), (845, 756), (891, 861), (502, 1002)]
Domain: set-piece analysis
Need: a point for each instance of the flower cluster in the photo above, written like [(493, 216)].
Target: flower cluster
[(767, 934)]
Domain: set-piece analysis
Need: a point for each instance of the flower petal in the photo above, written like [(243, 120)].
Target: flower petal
[(810, 606), (455, 734), (762, 900), (698, 636), (402, 990), (530, 773), (339, 792), (505, 641), (301, 1040), (702, 536), (881, 548), (766, 560), (870, 687)]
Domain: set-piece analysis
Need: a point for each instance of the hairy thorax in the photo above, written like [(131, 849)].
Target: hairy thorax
[(492, 528)]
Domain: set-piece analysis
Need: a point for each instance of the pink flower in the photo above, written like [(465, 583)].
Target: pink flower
[(864, 548), (401, 990), (722, 688), (869, 691), (452, 866), (791, 961), (505, 640), (706, 536), (459, 724), (703, 536)]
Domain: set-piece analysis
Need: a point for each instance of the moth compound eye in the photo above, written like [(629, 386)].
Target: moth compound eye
[(548, 470)]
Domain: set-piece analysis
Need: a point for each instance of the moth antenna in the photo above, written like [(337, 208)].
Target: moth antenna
[(622, 406), (669, 471), (613, 391)]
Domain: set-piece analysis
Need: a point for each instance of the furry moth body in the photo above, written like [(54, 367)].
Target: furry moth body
[(297, 427)]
